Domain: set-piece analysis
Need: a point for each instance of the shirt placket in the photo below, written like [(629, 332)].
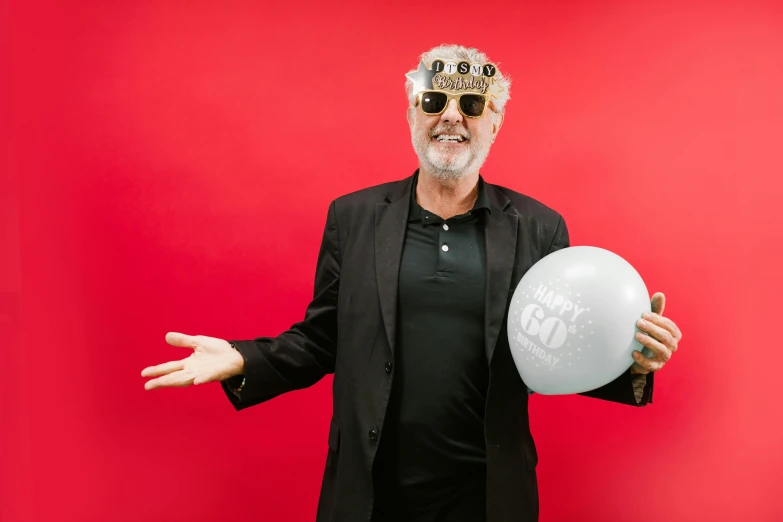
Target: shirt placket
[(445, 247)]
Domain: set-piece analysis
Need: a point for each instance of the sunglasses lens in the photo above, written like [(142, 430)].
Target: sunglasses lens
[(433, 102), (472, 104)]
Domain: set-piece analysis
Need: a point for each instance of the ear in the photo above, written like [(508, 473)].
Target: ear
[(409, 115), (497, 122)]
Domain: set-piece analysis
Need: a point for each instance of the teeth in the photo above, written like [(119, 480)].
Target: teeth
[(450, 137)]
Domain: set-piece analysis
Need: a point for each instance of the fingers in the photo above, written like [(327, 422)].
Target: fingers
[(669, 325), (658, 303), (163, 369), (647, 364), (174, 339), (181, 339), (660, 351), (660, 354), (660, 333), (178, 379)]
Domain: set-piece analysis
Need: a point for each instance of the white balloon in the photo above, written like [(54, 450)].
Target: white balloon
[(572, 320)]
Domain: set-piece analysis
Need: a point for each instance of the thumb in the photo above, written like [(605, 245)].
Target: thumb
[(658, 303), (180, 339)]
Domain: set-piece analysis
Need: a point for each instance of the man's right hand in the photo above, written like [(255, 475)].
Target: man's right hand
[(212, 359)]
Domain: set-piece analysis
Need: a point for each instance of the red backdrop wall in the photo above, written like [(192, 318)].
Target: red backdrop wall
[(170, 167)]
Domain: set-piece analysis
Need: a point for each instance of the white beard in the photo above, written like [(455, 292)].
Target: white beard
[(449, 164)]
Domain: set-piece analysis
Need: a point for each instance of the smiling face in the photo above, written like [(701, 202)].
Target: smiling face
[(450, 145)]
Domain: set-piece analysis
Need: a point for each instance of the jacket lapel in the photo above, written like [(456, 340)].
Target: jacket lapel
[(391, 221), (500, 235)]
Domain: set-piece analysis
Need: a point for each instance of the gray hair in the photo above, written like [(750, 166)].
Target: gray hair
[(457, 53)]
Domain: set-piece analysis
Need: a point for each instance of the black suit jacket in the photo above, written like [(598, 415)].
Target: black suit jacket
[(349, 330)]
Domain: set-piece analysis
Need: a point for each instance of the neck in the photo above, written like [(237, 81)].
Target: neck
[(447, 197)]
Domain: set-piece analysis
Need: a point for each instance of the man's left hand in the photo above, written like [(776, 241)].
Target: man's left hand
[(663, 338)]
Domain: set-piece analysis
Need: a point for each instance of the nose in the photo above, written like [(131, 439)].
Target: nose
[(451, 114)]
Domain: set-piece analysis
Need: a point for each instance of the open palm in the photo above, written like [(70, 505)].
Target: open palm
[(212, 359)]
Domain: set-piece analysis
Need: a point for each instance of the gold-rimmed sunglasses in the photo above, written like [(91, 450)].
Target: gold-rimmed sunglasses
[(470, 104)]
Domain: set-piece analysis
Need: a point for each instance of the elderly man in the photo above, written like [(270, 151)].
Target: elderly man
[(412, 289)]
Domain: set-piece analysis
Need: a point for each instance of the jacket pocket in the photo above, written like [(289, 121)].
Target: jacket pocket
[(334, 435)]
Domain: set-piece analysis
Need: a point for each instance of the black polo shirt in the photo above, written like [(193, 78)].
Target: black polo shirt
[(431, 461)]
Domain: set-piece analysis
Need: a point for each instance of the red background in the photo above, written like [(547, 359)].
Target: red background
[(170, 167)]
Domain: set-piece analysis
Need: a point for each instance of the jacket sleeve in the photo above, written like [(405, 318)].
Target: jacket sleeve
[(626, 389), (302, 355)]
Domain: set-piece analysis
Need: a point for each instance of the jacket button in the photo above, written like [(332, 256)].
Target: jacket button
[(373, 435), (388, 367)]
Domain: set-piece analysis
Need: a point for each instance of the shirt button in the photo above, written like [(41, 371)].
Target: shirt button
[(445, 226), (388, 367), (445, 248), (373, 435)]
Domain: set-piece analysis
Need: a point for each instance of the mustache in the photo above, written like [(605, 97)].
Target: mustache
[(450, 129)]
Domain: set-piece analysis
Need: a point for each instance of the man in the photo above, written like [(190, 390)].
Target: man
[(412, 289)]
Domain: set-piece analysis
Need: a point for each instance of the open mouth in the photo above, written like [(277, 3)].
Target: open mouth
[(449, 138)]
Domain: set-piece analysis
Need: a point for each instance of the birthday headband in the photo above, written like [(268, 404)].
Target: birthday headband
[(456, 78)]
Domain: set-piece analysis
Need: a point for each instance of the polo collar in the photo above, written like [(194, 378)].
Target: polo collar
[(417, 213)]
